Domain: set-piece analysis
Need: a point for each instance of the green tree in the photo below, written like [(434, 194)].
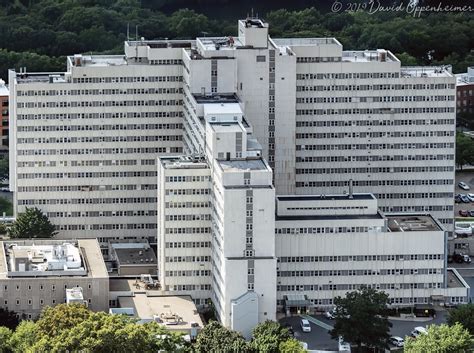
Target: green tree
[(5, 334), (291, 346), (4, 169), (464, 315), (268, 335), (9, 319), (464, 150), (54, 320), (24, 337), (32, 224), (361, 318), (216, 338), (441, 339)]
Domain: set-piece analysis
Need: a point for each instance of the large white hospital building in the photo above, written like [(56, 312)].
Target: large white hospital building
[(251, 117)]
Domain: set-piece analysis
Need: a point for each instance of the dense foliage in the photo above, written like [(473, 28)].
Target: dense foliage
[(32, 224), (73, 328), (464, 314), (464, 150), (361, 318), (37, 34), (268, 336), (9, 319), (442, 339)]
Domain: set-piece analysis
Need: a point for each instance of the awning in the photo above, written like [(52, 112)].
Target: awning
[(296, 300), (437, 297)]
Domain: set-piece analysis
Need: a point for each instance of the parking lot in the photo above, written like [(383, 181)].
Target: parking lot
[(320, 339), (468, 178)]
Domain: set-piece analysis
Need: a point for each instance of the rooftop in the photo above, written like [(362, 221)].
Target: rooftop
[(304, 41), (176, 312), (454, 279), (184, 162), (466, 78), (219, 43), (326, 197), (43, 258), (379, 55), (215, 98), (243, 165), (412, 223), (426, 71), (98, 60), (134, 255)]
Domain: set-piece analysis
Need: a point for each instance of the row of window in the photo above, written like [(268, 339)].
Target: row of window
[(100, 103), (115, 187), (373, 170), (187, 259), (188, 230), (188, 244), (194, 204), (84, 151), (187, 191), (96, 92), (374, 146), (403, 157), (116, 115), (404, 182), (383, 272), (129, 79), (99, 139), (373, 99), (375, 134), (352, 111), (40, 286), (101, 200), (321, 230), (349, 287), (189, 178), (188, 273), (346, 76), (378, 87), (114, 226), (188, 217), (188, 287), (374, 122), (88, 175), (81, 214), (343, 258)]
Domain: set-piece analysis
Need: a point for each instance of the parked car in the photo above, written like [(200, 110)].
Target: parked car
[(465, 199), (396, 341), (463, 213), (457, 198), (331, 314), (418, 331), (470, 197), (344, 346), (305, 326), (463, 185), (466, 259), (463, 229), (458, 258), (471, 213), (4, 188), (290, 329)]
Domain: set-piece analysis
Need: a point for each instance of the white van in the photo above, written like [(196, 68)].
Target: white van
[(305, 326), (418, 331), (463, 228)]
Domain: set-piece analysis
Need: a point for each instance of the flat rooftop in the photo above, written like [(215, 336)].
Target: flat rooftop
[(184, 162), (176, 312), (135, 256), (453, 279), (327, 217), (45, 258), (426, 71), (243, 165), (101, 60), (228, 126), (220, 43), (412, 223), (379, 55), (215, 98), (326, 197), (304, 41)]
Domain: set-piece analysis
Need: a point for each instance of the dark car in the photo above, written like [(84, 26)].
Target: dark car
[(458, 258), (457, 198), (290, 329), (463, 213), (471, 213)]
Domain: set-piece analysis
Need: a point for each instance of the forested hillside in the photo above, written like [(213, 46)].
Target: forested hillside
[(39, 33)]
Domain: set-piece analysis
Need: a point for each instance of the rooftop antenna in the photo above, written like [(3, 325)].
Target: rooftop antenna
[(136, 43), (204, 33), (252, 13), (128, 31)]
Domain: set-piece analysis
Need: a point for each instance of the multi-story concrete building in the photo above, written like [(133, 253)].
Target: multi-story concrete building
[(322, 115), (38, 273), (4, 94), (328, 245)]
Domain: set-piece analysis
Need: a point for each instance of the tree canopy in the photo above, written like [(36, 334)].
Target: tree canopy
[(361, 318), (464, 315), (268, 336), (32, 224), (73, 328), (464, 150), (442, 339), (9, 319), (216, 338), (38, 34)]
